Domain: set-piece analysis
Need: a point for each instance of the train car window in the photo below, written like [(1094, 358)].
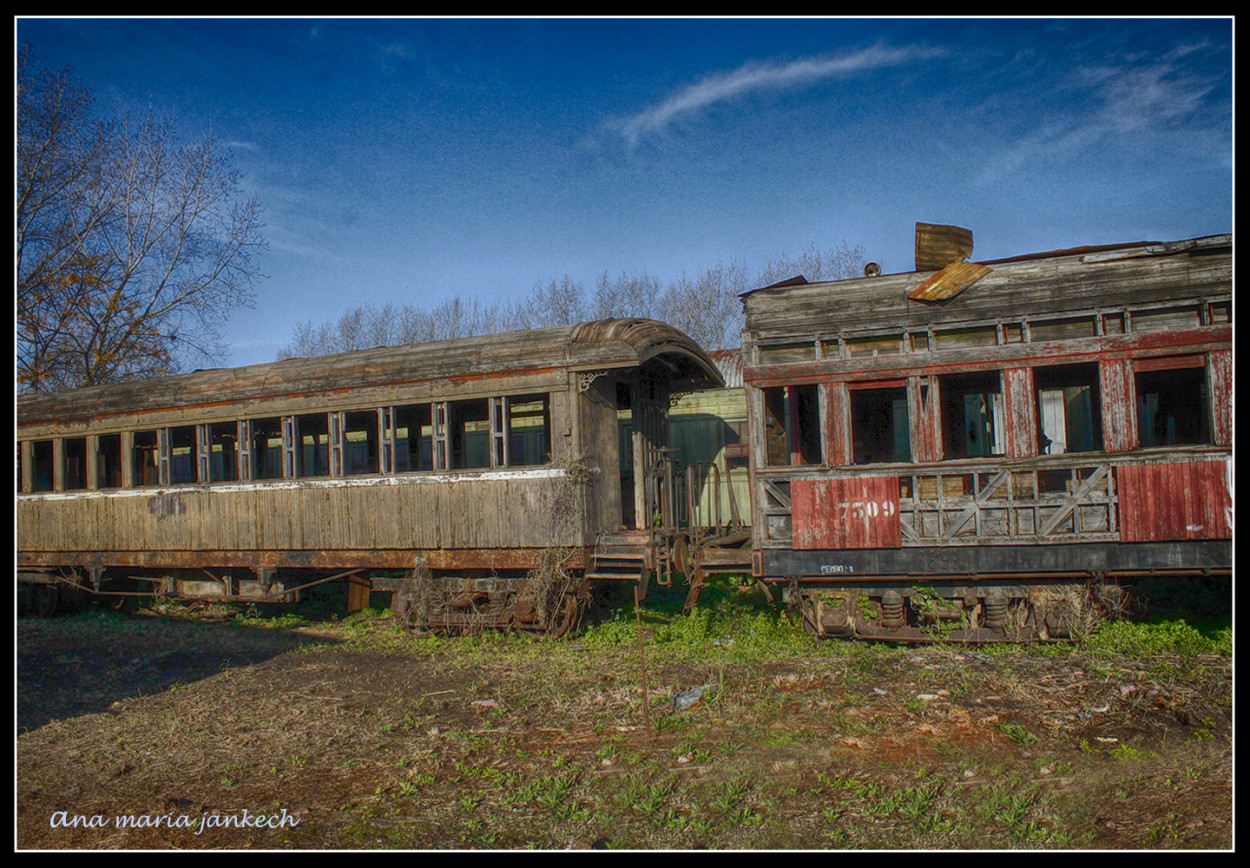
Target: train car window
[(312, 439), (879, 429), (144, 459), (792, 426), (41, 461), (1068, 328), (972, 414), (1069, 410), (1166, 319), (414, 438), (361, 441), (468, 427), (876, 345), (529, 430), (223, 452), (182, 455), (266, 443), (74, 463), (108, 461), (1173, 407), (966, 338)]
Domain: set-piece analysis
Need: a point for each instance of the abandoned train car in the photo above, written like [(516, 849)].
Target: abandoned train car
[(471, 460), (966, 447)]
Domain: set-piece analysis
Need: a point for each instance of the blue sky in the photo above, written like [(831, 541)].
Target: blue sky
[(413, 160)]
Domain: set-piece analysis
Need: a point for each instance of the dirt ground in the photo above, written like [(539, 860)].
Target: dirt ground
[(145, 732)]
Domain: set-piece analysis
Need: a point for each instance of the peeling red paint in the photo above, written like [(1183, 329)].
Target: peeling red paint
[(846, 513), (1182, 501)]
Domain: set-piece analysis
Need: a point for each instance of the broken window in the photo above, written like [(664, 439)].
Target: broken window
[(266, 448), (144, 459), (879, 428), (414, 438), (360, 443), (41, 461), (528, 430), (223, 451), (1172, 402), (972, 414), (468, 429), (312, 445), (108, 461), (1069, 414), (74, 463), (182, 455), (792, 425)]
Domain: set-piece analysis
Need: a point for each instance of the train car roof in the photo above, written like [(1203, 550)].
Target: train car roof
[(1104, 276), (603, 344)]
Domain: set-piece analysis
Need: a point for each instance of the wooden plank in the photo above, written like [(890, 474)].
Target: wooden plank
[(1119, 405), (1020, 408), (1187, 500), (857, 513), (1220, 372)]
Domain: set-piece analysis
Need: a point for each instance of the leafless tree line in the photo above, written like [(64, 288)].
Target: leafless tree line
[(704, 305)]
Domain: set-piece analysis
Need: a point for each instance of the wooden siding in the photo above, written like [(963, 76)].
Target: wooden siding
[(1221, 367), (1188, 500), (1017, 289), (1119, 405), (858, 513), (498, 509), (1021, 411)]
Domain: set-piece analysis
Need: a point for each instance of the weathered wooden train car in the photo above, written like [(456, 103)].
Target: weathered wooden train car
[(965, 449), (472, 465)]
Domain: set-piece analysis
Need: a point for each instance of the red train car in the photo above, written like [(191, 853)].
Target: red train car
[(986, 450)]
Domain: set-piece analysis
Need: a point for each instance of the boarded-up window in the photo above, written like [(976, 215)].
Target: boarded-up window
[(792, 425), (1172, 407), (1069, 412), (108, 462), (879, 429), (266, 443), (972, 414), (74, 463), (145, 464)]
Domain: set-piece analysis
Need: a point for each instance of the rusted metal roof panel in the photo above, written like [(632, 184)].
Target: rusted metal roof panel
[(845, 513), (949, 282), (938, 246), (1188, 500)]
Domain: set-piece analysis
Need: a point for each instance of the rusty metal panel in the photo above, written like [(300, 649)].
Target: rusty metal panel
[(1188, 500), (846, 513), (949, 282), (938, 246)]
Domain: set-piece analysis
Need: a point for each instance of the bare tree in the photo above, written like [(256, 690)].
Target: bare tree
[(836, 263), (706, 307), (132, 245)]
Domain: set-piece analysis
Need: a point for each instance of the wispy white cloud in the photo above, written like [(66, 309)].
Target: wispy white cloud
[(756, 77), (1124, 100)]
